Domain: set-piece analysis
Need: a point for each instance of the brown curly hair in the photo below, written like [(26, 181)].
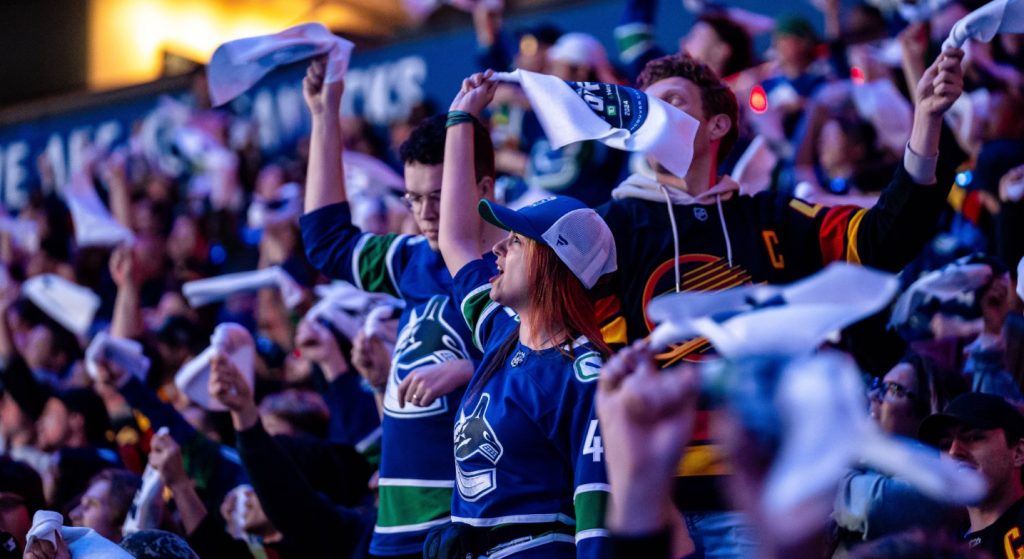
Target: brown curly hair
[(716, 97)]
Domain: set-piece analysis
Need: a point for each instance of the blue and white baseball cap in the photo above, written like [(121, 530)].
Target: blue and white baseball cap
[(579, 236)]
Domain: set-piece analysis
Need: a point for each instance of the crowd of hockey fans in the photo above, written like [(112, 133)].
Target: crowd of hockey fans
[(444, 338)]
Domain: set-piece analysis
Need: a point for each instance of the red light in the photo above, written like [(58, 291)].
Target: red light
[(857, 75), (758, 99)]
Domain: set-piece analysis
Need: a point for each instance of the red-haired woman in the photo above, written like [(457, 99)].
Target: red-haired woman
[(529, 461)]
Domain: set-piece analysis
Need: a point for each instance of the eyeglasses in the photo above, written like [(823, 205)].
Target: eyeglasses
[(890, 390), (417, 200)]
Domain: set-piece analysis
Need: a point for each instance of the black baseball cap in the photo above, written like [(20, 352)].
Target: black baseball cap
[(975, 410)]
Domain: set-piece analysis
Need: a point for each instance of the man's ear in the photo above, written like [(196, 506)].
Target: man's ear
[(718, 126), (485, 187), (1018, 454)]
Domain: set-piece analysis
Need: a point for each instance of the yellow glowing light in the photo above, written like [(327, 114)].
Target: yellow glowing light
[(127, 38)]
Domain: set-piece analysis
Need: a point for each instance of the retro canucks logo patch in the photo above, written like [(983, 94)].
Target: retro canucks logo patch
[(474, 437), (588, 366), (621, 107)]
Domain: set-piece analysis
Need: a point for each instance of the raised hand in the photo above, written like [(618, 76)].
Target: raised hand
[(941, 84), (476, 93), (165, 457), (228, 386), (323, 99), (372, 358), (647, 418), (124, 267), (42, 549)]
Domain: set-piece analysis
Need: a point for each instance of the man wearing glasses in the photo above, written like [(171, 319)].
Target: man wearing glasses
[(434, 355)]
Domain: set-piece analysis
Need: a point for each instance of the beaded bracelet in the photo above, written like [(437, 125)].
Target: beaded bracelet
[(458, 117)]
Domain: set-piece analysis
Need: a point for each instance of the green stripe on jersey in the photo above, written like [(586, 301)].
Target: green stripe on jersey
[(590, 509), (474, 308), (373, 265), (407, 506)]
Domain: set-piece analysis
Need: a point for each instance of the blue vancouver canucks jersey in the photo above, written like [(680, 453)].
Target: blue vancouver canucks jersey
[(416, 470), (527, 443)]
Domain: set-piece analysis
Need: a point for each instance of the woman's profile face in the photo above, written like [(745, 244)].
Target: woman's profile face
[(892, 404), (510, 286)]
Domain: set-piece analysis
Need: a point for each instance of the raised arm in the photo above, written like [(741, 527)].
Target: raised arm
[(127, 319), (937, 90), (325, 179), (460, 224)]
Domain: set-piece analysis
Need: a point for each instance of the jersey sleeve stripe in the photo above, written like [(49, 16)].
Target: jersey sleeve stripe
[(356, 275), (476, 305), (592, 533), (374, 267), (389, 261), (832, 235), (852, 250), (591, 487), (590, 509)]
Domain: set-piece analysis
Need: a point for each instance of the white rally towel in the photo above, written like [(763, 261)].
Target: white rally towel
[(209, 290), (823, 425), (881, 104), (24, 233), (998, 16), (70, 304), (367, 174), (83, 543), (94, 226), (347, 307), (760, 319), (237, 65), (147, 505), (753, 170), (1020, 282), (285, 207), (126, 353), (194, 376), (617, 116)]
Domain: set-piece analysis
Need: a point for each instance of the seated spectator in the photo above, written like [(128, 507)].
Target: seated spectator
[(105, 503), (21, 495), (986, 434)]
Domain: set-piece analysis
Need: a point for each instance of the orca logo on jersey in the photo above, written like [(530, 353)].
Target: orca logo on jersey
[(426, 339), (621, 107), (474, 436)]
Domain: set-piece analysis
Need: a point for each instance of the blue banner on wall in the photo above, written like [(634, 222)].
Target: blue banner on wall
[(382, 85)]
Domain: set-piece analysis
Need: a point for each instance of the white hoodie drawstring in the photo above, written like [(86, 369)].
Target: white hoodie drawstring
[(725, 230), (675, 234)]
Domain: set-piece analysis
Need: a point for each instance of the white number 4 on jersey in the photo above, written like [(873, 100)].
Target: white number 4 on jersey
[(592, 444)]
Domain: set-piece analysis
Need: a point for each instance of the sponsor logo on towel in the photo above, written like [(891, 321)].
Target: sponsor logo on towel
[(621, 107)]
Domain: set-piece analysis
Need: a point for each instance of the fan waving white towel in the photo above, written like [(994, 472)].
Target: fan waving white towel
[(70, 304), (126, 353), (237, 65), (94, 226), (84, 543), (999, 16), (617, 116), (194, 376), (209, 290), (755, 320)]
